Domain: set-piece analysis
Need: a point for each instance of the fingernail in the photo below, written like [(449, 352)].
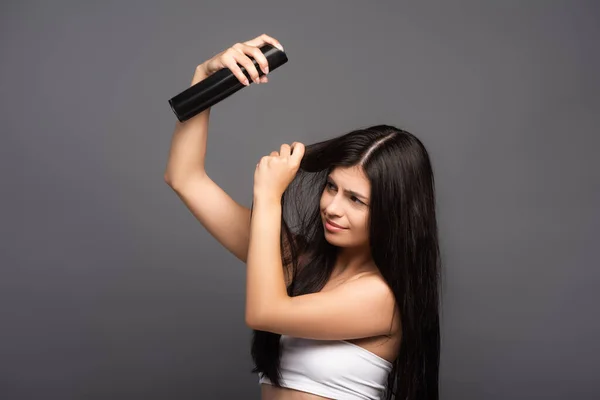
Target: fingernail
[(266, 70), (246, 82), (279, 46)]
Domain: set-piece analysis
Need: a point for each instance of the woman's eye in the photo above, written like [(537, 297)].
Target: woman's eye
[(354, 199)]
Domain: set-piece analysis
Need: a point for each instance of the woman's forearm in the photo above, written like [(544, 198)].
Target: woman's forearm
[(265, 282), (188, 145)]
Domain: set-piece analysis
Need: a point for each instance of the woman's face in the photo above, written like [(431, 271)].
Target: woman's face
[(345, 201)]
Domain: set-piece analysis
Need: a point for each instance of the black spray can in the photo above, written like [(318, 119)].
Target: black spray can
[(219, 86)]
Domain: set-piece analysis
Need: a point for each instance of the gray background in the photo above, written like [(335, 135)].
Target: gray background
[(110, 289)]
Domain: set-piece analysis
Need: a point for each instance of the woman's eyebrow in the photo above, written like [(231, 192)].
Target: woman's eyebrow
[(350, 192)]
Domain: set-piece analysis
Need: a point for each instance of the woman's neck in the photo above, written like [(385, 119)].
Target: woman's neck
[(351, 260)]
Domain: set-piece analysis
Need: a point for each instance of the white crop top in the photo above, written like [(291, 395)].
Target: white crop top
[(336, 369)]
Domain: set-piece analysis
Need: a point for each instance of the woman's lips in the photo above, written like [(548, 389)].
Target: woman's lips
[(334, 224)]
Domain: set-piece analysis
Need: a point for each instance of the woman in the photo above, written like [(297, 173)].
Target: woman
[(341, 250)]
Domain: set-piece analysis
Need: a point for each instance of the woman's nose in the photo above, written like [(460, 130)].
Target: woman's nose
[(333, 208)]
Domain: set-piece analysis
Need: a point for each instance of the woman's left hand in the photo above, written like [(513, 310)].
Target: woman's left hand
[(276, 171)]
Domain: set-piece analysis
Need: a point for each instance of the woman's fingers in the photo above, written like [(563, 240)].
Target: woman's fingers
[(298, 151), (285, 150), (262, 39), (244, 59), (240, 53), (246, 62), (255, 53), (231, 60)]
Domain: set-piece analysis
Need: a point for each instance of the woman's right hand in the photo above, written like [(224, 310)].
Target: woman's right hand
[(239, 54)]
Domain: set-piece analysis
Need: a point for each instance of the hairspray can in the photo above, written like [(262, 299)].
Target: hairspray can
[(219, 86)]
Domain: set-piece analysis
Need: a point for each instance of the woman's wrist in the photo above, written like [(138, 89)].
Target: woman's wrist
[(267, 200), (200, 74)]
